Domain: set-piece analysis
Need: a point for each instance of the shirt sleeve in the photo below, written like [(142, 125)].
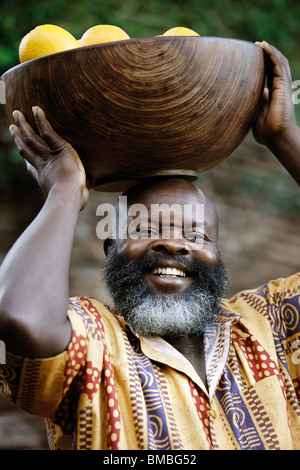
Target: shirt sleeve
[(40, 386), (283, 297), (284, 310)]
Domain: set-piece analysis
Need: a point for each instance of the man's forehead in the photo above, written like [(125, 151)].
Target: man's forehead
[(165, 189), (172, 191)]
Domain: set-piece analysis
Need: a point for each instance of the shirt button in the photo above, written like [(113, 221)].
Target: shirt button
[(213, 414)]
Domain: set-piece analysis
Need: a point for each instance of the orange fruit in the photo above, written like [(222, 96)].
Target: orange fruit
[(180, 31), (43, 40), (102, 33)]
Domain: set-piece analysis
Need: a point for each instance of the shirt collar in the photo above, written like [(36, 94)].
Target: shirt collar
[(159, 350), (226, 314)]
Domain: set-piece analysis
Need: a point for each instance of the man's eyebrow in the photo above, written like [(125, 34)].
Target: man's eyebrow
[(202, 222), (153, 220), (158, 215)]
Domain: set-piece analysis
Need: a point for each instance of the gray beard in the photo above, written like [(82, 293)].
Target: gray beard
[(151, 314), (160, 316)]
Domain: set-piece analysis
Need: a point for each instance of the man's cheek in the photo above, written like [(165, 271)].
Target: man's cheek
[(207, 255)]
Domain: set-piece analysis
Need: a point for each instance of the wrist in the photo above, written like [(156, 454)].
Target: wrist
[(286, 148), (289, 137), (70, 193)]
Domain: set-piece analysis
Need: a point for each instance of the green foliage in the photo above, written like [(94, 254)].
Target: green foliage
[(276, 21)]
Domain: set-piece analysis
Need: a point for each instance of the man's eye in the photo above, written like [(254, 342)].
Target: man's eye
[(143, 232), (195, 237), (148, 232)]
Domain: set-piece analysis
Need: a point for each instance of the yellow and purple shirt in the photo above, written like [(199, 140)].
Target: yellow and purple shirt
[(112, 389)]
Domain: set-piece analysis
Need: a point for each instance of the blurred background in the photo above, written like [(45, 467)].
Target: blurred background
[(257, 201)]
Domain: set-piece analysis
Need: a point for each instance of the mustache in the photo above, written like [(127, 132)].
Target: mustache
[(133, 270), (181, 262)]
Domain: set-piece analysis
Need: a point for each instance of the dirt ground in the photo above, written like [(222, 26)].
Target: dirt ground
[(257, 242)]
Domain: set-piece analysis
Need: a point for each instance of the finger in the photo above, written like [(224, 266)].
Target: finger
[(45, 129), (264, 106), (31, 170), (265, 97), (278, 61), (25, 151), (30, 138)]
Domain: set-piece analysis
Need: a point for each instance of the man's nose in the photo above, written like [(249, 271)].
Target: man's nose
[(171, 246)]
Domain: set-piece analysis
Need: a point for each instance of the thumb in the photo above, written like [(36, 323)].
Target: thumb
[(259, 123), (264, 106), (32, 171)]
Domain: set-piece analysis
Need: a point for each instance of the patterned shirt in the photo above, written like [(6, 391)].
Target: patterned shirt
[(112, 389)]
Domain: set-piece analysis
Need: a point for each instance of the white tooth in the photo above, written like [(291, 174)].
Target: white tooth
[(168, 271)]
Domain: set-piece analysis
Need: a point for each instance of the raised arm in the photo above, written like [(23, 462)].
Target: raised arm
[(34, 276), (275, 125)]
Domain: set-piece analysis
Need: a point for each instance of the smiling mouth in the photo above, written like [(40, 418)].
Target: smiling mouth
[(168, 272)]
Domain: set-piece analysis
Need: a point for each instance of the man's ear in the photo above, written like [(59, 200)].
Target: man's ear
[(107, 245)]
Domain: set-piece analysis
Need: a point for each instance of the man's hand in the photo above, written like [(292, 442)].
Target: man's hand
[(50, 160), (275, 125), (276, 114)]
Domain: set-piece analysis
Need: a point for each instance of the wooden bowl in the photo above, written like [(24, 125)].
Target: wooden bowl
[(144, 107)]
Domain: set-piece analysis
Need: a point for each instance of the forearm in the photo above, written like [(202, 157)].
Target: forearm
[(275, 125), (287, 150), (34, 278)]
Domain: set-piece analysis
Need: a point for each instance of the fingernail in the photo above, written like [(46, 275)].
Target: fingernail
[(266, 43), (34, 110)]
